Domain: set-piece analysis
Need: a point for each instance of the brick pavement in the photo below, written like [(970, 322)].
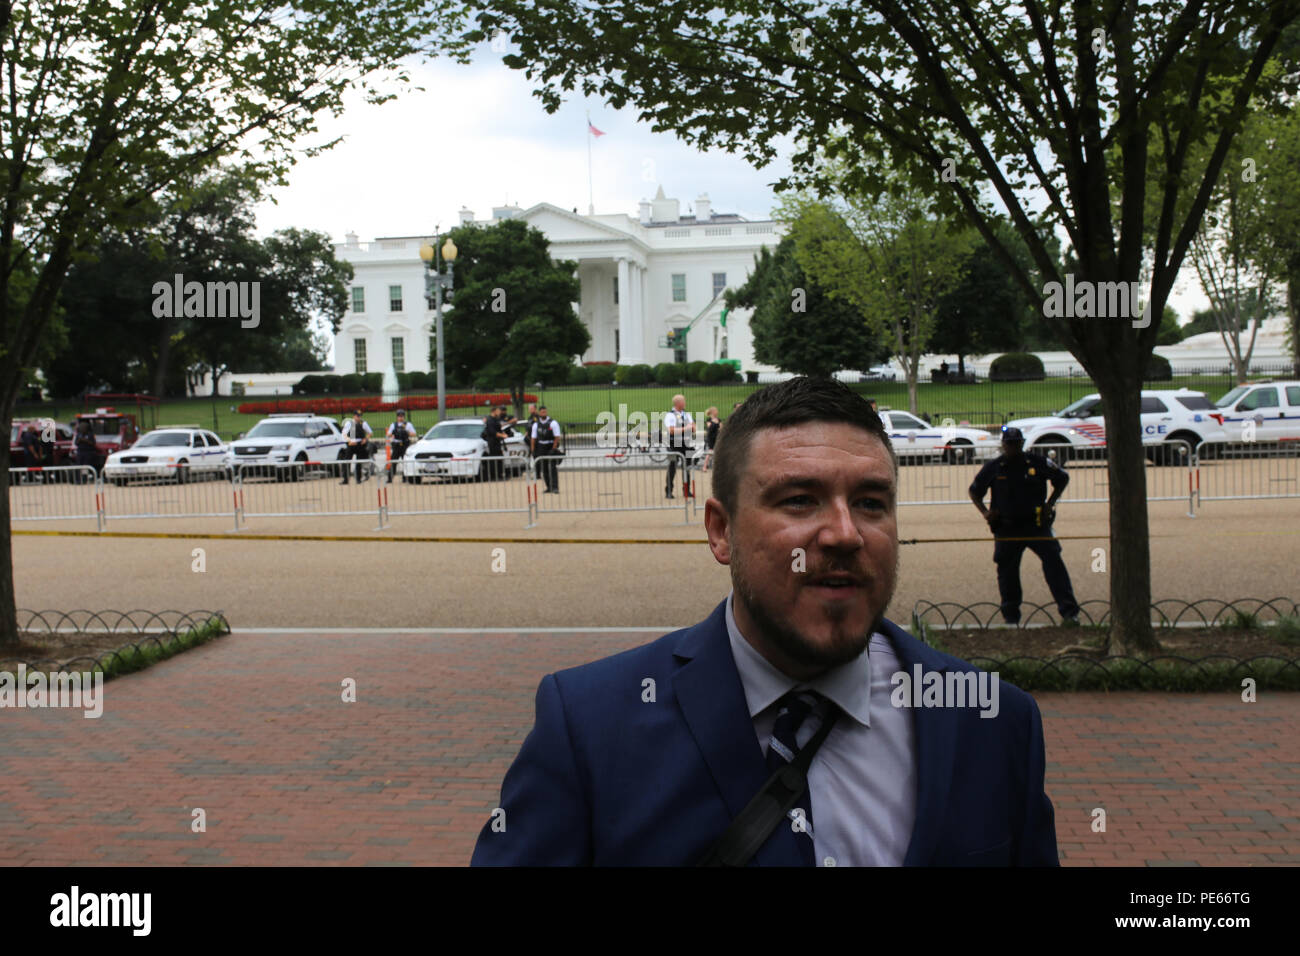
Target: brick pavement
[(252, 729)]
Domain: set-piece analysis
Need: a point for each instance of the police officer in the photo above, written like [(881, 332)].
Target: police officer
[(545, 440), (1021, 517), (358, 432), (33, 452), (87, 450), (400, 434), (679, 428), (495, 431)]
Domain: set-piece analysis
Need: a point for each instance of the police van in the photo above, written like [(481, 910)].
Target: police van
[(1174, 421)]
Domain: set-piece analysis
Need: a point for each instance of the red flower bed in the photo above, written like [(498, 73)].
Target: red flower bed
[(601, 362), (372, 403)]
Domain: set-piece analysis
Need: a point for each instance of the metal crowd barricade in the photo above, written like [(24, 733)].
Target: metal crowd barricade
[(1169, 478), (447, 485), (175, 491), (311, 488), (1249, 469), (56, 493), (633, 482)]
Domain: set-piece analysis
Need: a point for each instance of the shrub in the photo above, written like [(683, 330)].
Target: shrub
[(1016, 367), (423, 380), (1159, 369), (348, 384), (600, 374), (695, 371), (669, 373), (578, 375), (372, 382), (311, 385), (721, 372), (632, 375)]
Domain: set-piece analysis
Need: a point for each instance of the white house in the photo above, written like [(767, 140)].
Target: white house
[(643, 281)]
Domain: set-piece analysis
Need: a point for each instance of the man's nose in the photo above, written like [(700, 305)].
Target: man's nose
[(838, 528)]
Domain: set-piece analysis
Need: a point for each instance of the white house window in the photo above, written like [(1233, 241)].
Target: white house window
[(358, 299), (399, 354), (359, 355), (719, 283), (394, 298), (616, 290), (679, 286)]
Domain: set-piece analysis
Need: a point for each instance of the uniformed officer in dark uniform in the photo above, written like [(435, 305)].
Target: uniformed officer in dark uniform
[(545, 443), (1021, 517), (87, 449), (400, 435)]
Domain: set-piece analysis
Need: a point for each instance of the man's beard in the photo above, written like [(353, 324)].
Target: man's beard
[(781, 633)]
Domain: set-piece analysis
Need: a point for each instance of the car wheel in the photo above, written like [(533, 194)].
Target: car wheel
[(118, 482), (482, 471), (960, 452), (1060, 454), (299, 469), (182, 472)]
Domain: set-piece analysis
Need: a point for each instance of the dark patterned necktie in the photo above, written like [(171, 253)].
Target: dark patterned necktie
[(792, 710)]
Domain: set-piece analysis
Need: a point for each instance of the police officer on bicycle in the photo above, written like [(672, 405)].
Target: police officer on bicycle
[(400, 436), (1021, 517)]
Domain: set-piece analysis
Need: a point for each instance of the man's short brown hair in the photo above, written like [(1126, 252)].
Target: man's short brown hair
[(797, 401)]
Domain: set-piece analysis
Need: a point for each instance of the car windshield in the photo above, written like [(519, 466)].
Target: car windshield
[(1083, 408), (455, 430), (277, 430), (1232, 396), (156, 439), (1196, 403)]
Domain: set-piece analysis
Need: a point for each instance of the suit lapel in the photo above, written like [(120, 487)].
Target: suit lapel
[(708, 691), (936, 739)]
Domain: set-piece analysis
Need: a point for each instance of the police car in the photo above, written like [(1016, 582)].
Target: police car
[(1169, 417), (453, 449), (287, 438), (912, 437), (1263, 411), (175, 453)]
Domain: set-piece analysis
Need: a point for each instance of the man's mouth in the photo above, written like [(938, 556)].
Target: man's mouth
[(842, 582)]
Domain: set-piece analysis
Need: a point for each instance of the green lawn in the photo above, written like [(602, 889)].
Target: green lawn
[(984, 404)]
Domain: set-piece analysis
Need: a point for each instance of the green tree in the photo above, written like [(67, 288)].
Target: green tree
[(104, 105), (512, 318), (796, 326), (990, 109), (1171, 333), (893, 261)]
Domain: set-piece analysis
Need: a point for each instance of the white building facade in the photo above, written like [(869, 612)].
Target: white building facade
[(651, 287)]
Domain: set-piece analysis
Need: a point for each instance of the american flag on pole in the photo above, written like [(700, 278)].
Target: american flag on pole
[(593, 130)]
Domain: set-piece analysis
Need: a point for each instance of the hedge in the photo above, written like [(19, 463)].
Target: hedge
[(718, 372), (695, 371), (600, 374), (1159, 369), (1016, 367), (632, 375), (373, 403), (669, 373)]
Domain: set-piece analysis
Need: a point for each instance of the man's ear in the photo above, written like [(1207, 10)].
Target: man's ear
[(717, 524)]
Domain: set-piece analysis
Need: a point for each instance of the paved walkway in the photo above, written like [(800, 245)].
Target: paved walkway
[(253, 730)]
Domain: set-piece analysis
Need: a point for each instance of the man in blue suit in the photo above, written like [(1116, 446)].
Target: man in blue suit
[(917, 758)]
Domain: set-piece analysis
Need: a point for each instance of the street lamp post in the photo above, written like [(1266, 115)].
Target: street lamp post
[(435, 280)]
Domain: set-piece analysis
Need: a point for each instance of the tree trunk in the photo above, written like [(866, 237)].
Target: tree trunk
[(1130, 548)]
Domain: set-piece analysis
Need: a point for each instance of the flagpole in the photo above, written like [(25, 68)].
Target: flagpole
[(591, 203)]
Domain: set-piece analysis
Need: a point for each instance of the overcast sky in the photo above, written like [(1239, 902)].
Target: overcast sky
[(476, 137)]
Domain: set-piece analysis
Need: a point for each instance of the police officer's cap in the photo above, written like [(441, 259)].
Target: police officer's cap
[(400, 413), (1012, 434)]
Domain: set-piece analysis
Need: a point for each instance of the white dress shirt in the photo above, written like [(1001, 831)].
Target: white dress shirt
[(862, 782)]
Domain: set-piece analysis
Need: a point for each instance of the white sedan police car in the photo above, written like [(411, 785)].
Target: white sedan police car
[(1170, 418), (453, 449), (913, 437), (281, 438), (175, 453)]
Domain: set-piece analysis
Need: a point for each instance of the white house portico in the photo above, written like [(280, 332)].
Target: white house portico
[(650, 286)]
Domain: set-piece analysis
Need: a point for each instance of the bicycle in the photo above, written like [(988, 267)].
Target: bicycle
[(639, 444)]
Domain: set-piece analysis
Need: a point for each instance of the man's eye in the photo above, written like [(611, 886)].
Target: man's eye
[(874, 504), (797, 500)]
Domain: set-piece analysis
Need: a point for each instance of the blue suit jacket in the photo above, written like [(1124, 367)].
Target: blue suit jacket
[(607, 778)]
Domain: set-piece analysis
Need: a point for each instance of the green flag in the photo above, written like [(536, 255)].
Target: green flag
[(724, 317)]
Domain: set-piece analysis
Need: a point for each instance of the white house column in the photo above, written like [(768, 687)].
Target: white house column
[(625, 300), (636, 353)]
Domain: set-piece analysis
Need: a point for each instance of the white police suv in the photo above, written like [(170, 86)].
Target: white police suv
[(913, 437), (453, 449), (175, 453), (1273, 407), (282, 438), (1170, 417)]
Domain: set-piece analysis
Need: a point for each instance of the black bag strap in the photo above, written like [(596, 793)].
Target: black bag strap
[(764, 813)]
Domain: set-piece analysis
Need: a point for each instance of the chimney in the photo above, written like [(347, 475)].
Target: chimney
[(466, 216), (663, 209), (643, 213), (703, 208), (353, 240)]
